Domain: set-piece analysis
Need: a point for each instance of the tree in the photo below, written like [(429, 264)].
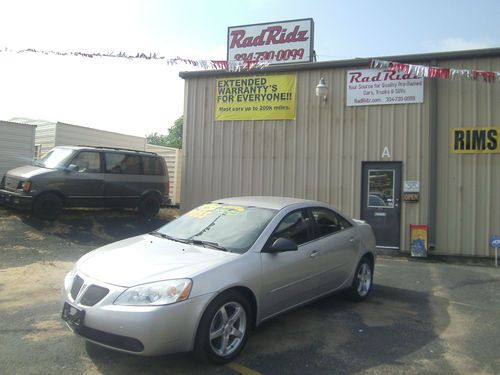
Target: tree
[(172, 139), (174, 136)]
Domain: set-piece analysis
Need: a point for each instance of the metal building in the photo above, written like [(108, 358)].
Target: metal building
[(17, 145), (335, 153)]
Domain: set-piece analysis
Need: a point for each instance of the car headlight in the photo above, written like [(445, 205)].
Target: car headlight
[(155, 294)]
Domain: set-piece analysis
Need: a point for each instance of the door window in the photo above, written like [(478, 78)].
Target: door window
[(328, 222), (87, 162), (295, 226), (380, 188), (123, 163)]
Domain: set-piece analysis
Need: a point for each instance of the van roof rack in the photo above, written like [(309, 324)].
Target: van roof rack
[(119, 149)]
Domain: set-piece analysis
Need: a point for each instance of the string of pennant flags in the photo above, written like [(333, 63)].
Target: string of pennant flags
[(235, 66), (434, 72), (204, 64)]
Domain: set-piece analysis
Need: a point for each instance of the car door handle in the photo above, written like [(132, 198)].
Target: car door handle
[(314, 254), (352, 240)]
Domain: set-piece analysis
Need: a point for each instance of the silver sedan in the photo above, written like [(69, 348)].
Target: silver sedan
[(203, 281)]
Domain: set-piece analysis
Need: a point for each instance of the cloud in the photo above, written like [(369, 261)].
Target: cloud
[(458, 44)]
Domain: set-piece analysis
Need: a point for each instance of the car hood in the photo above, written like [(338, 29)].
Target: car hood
[(146, 258), (27, 171)]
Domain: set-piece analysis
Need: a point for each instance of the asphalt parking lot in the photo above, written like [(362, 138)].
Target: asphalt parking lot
[(422, 317)]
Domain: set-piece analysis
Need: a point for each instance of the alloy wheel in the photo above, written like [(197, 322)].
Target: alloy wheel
[(228, 328), (364, 279)]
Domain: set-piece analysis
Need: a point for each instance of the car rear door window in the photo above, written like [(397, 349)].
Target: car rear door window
[(328, 222)]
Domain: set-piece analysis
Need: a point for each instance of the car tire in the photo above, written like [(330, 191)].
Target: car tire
[(363, 280), (149, 206), (223, 329), (47, 206)]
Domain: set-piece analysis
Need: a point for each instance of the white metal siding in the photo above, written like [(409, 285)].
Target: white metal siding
[(173, 158), (16, 145), (468, 201), (45, 136), (317, 156), (67, 134)]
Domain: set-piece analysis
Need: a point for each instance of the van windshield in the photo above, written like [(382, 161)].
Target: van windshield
[(57, 157)]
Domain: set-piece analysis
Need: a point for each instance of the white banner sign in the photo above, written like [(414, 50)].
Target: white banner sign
[(277, 42), (375, 87)]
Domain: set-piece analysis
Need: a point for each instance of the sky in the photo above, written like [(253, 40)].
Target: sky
[(140, 97)]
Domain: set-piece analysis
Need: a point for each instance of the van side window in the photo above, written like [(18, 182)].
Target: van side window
[(152, 166), (122, 163), (87, 162)]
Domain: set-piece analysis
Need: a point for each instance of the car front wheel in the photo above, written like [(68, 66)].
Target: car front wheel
[(47, 206), (363, 280), (224, 328)]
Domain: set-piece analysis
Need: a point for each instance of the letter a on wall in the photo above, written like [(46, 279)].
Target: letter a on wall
[(386, 153)]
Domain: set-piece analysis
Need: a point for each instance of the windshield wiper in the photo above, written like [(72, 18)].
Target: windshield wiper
[(167, 237), (212, 245)]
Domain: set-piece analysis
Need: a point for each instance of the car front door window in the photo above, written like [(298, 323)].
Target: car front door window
[(295, 226)]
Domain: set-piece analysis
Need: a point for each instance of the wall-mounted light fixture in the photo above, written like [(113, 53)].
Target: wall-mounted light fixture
[(322, 89)]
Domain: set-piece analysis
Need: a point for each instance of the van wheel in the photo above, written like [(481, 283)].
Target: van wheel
[(149, 206), (47, 206)]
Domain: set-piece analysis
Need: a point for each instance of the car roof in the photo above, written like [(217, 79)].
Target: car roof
[(276, 203)]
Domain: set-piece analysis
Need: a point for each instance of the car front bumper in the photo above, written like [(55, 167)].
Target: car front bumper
[(16, 200), (142, 330)]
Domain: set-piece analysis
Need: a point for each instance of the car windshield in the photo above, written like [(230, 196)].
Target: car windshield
[(55, 158), (220, 226)]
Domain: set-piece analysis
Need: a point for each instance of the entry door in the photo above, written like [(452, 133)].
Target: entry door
[(381, 201)]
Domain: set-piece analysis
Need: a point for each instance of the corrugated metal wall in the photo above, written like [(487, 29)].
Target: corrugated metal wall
[(468, 197), (317, 156), (17, 145), (173, 157), (45, 137), (67, 134)]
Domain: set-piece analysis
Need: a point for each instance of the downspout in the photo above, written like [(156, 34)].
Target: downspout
[(433, 142)]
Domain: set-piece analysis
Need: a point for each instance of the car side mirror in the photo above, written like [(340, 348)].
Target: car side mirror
[(281, 245), (72, 168)]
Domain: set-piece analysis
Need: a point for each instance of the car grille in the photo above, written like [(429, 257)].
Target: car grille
[(121, 342), (91, 295), (11, 183), (77, 285)]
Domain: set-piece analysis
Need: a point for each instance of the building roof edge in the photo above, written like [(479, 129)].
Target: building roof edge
[(356, 62)]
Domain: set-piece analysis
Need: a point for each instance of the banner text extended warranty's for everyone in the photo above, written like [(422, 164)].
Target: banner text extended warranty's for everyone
[(256, 98)]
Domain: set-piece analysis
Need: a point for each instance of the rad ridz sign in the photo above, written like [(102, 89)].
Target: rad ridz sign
[(376, 87), (277, 43)]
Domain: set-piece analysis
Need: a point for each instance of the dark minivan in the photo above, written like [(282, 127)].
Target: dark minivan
[(83, 176)]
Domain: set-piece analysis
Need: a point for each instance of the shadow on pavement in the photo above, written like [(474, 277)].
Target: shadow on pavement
[(328, 336)]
